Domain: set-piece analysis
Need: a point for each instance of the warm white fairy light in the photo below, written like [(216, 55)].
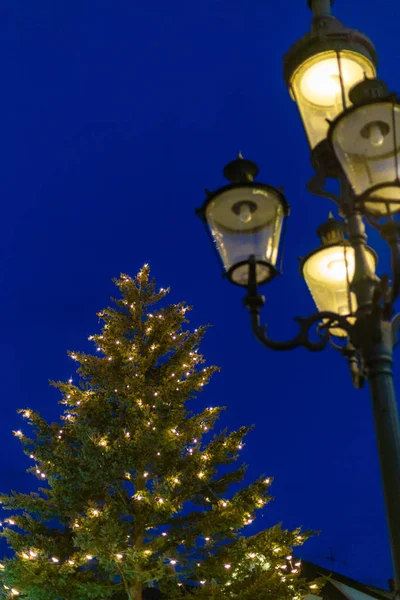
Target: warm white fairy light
[(119, 556), (14, 592), (10, 521), (203, 582), (164, 534), (89, 556), (95, 512), (173, 562), (252, 555), (176, 480), (18, 433), (54, 559), (160, 501), (71, 562), (27, 414), (145, 474), (32, 554), (313, 586), (207, 539), (127, 434), (227, 566), (200, 474), (110, 358)]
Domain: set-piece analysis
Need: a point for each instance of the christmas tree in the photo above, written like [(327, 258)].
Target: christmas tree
[(136, 497)]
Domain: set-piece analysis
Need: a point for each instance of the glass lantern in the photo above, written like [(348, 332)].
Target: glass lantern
[(366, 142), (329, 270), (321, 68), (245, 219)]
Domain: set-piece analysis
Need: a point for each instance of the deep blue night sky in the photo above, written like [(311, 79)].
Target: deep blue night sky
[(114, 117)]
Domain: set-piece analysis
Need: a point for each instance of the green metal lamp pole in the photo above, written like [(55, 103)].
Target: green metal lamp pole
[(375, 337), (353, 129)]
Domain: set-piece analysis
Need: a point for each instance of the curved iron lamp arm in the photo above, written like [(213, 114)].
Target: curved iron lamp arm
[(254, 302)]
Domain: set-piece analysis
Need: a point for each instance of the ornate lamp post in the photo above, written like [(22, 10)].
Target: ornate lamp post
[(353, 128)]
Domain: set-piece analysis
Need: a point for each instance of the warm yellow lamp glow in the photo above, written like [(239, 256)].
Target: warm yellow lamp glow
[(328, 272), (321, 87), (320, 82)]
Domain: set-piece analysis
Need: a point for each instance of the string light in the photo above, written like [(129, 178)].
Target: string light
[(173, 562), (54, 559), (227, 566), (119, 556), (145, 474), (89, 556)]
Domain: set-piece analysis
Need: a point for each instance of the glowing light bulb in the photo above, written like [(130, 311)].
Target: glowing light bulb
[(227, 566), (245, 213), (375, 135), (337, 269)]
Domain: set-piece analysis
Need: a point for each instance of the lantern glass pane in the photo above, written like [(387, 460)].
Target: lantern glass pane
[(327, 273), (367, 145), (246, 221), (321, 88)]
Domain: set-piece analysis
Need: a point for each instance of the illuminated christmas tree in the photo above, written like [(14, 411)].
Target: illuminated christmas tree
[(135, 495)]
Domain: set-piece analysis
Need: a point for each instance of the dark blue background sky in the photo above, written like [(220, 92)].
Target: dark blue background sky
[(114, 117)]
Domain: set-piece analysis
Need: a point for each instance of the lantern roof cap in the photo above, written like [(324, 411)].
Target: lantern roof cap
[(327, 34), (240, 170), (332, 231), (368, 90)]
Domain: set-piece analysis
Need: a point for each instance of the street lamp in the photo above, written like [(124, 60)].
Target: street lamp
[(245, 218), (329, 269), (366, 142), (353, 127), (321, 68)]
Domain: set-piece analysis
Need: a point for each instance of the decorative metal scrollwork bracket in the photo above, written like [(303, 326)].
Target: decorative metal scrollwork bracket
[(324, 321)]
